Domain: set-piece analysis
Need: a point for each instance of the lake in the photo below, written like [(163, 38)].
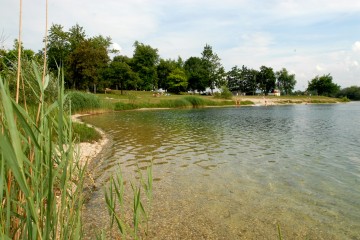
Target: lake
[(239, 172)]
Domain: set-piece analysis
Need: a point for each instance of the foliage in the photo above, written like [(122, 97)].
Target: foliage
[(214, 71), (84, 133), (224, 93), (177, 81), (352, 93), (120, 73), (86, 62), (115, 197), (81, 58), (196, 74), (144, 62), (323, 85), (164, 68), (266, 79), (242, 80), (81, 101), (285, 81), (39, 197)]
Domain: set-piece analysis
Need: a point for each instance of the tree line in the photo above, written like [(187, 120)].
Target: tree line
[(86, 64)]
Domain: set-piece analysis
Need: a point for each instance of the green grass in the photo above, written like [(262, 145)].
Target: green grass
[(81, 101), (84, 133)]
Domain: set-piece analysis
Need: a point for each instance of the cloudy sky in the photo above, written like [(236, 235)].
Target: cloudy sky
[(308, 37)]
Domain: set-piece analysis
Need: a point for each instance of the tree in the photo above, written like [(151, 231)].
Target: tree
[(120, 73), (196, 74), (323, 85), (164, 69), (352, 93), (144, 62), (177, 81), (266, 79), (58, 47), (235, 79), (243, 80), (86, 62), (285, 81), (214, 71)]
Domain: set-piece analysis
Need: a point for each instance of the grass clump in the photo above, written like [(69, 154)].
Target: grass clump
[(195, 101), (81, 101), (84, 133), (119, 106), (247, 102)]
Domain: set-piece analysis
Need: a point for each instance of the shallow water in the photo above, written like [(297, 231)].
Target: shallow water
[(238, 173)]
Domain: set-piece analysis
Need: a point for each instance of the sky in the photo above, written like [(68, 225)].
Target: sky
[(309, 37)]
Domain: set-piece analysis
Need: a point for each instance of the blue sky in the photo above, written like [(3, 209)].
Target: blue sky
[(308, 37)]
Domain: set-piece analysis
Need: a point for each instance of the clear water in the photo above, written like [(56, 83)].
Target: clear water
[(238, 173)]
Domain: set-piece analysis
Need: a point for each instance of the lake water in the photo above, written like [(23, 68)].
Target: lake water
[(239, 173)]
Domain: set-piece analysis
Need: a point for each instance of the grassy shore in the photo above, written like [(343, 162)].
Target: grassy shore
[(142, 99)]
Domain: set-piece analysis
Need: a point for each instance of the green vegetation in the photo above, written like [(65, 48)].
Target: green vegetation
[(81, 101), (225, 93), (115, 197), (352, 93), (323, 86), (40, 181), (84, 133)]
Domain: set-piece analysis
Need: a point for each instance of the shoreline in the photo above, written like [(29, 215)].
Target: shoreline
[(87, 151)]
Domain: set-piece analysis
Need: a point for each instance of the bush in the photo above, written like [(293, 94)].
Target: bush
[(225, 93), (81, 101)]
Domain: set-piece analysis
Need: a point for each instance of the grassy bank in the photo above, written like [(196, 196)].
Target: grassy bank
[(114, 101)]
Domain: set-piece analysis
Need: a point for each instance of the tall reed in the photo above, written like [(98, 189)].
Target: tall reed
[(40, 180)]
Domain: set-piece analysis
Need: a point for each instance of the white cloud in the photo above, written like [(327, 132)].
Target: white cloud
[(116, 46), (356, 46), (319, 68)]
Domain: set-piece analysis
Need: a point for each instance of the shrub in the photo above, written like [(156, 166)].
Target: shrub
[(225, 93), (81, 101)]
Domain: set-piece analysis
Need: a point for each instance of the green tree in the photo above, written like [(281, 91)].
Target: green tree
[(58, 47), (86, 63), (234, 79), (177, 81), (285, 81), (266, 79), (196, 74), (352, 93), (120, 73), (164, 68), (242, 80), (323, 85), (214, 71), (144, 62)]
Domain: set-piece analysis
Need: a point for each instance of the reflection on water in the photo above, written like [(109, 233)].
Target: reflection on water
[(230, 173)]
